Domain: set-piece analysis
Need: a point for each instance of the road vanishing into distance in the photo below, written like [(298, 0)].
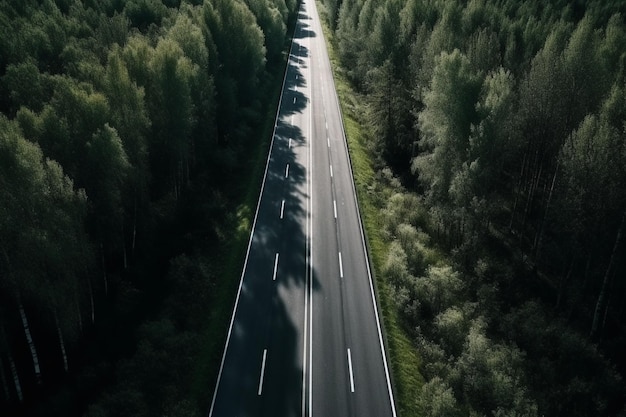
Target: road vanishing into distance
[(305, 338)]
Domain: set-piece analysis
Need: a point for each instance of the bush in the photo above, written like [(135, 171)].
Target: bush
[(437, 399), (438, 290)]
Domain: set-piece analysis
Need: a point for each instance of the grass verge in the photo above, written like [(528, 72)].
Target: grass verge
[(371, 192)]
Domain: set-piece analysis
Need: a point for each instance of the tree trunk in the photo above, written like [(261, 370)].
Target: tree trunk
[(124, 246), (588, 266), (582, 288), (16, 378), (132, 253), (5, 385), (187, 171), (79, 316), (104, 271), (518, 189), (563, 284), (93, 309), (603, 291), (31, 343), (606, 313), (532, 182), (61, 341), (621, 305), (539, 235)]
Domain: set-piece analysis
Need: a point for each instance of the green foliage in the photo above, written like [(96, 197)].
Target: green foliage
[(491, 376), (499, 127), (438, 289), (172, 114), (128, 113), (143, 13), (239, 64), (389, 122), (27, 86), (437, 399), (106, 169), (43, 248), (270, 16), (445, 124), (117, 119)]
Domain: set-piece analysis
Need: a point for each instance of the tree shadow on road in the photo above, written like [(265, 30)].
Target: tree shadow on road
[(270, 315)]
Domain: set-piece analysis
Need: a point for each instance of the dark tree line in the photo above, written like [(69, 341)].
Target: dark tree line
[(117, 119), (506, 125)]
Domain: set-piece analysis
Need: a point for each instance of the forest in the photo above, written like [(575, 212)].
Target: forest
[(498, 130), (122, 126)]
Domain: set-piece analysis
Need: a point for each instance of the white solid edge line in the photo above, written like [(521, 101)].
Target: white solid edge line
[(340, 266), (306, 297), (275, 267), (367, 263), (350, 369), (256, 215), (306, 312), (282, 209), (310, 85), (262, 372)]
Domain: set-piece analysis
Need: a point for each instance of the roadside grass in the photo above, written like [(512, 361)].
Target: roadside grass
[(372, 193)]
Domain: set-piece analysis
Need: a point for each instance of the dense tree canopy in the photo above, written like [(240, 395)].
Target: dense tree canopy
[(114, 114), (505, 123)]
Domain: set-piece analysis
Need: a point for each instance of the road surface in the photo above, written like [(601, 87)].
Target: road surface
[(305, 338)]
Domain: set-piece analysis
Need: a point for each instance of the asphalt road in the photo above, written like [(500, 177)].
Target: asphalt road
[(304, 338)]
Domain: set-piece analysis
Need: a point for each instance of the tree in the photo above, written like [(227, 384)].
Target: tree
[(130, 119), (491, 376), (189, 36), (437, 399), (542, 121), (106, 170), (438, 289), (389, 115), (26, 85), (444, 127), (586, 79), (172, 113), (483, 51), (383, 39), (39, 245), (492, 144), (332, 7), (593, 177), (128, 114), (240, 62), (143, 13), (270, 20), (136, 54), (351, 15)]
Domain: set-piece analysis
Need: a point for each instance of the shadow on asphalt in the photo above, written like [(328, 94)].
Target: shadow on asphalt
[(270, 314)]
